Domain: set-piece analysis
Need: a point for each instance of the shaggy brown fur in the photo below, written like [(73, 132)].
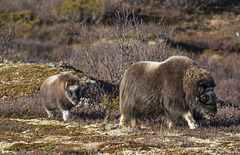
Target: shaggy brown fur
[(177, 88), (60, 92)]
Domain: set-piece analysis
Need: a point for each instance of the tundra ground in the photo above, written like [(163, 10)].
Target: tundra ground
[(56, 137)]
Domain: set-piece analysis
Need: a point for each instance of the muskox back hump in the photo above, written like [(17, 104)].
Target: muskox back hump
[(51, 79), (151, 65)]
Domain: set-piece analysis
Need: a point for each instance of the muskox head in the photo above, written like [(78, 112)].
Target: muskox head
[(202, 98), (205, 105), (73, 91)]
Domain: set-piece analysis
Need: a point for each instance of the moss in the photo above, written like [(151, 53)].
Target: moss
[(30, 146), (113, 148), (80, 151), (49, 128), (24, 21), (23, 17), (17, 80), (14, 131), (22, 80), (4, 18), (47, 148), (150, 37), (78, 10), (64, 131), (111, 104), (211, 52)]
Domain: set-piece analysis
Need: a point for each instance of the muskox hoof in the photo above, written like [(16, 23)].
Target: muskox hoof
[(169, 124), (193, 126), (66, 115), (192, 123), (50, 113), (122, 119), (134, 123)]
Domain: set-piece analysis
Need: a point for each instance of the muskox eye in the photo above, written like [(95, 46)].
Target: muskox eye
[(204, 98), (70, 93)]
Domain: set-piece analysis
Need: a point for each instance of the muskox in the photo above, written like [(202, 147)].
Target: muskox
[(61, 92), (176, 88)]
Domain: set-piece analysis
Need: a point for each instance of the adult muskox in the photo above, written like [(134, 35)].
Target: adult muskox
[(177, 88)]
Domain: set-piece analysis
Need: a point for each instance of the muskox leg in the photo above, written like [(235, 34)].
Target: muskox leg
[(193, 124), (66, 115), (122, 119), (169, 124), (168, 121), (69, 115), (134, 122), (50, 113)]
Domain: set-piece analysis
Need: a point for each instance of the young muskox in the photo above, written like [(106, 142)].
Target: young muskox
[(177, 88), (60, 92)]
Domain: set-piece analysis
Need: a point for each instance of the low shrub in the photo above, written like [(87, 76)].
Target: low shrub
[(127, 42)]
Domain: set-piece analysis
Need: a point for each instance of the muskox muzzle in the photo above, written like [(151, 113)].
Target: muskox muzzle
[(208, 104)]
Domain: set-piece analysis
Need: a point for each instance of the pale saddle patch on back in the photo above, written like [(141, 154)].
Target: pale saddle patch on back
[(151, 65), (52, 79)]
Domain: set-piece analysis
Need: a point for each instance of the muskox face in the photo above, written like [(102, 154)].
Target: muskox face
[(206, 104), (73, 93)]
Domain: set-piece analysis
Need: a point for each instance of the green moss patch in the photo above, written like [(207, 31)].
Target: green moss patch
[(119, 147), (28, 147), (17, 80), (78, 10), (24, 21), (22, 80)]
